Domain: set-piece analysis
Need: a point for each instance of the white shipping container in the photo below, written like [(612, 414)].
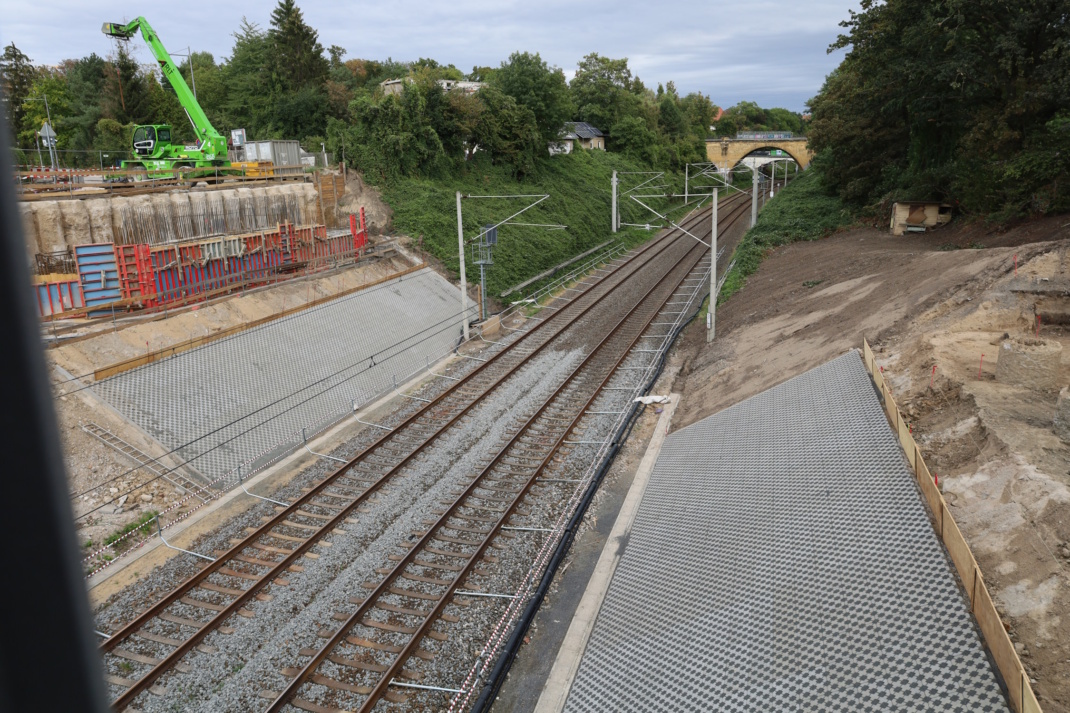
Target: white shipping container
[(280, 153)]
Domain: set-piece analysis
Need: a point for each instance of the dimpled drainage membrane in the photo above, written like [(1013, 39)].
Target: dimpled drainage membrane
[(245, 398), (782, 560)]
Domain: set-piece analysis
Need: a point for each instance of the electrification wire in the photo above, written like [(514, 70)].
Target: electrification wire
[(450, 323), (224, 340)]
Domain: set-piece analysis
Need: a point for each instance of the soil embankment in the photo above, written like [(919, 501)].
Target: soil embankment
[(924, 301)]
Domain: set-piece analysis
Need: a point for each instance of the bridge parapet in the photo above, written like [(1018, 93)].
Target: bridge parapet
[(727, 153)]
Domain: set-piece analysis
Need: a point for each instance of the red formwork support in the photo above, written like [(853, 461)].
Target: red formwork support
[(165, 274), (360, 237), (134, 264)]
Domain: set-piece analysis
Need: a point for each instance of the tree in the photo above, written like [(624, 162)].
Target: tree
[(542, 89), (298, 59), (211, 87), (508, 131), (16, 76), (604, 91), (632, 138), (126, 91), (248, 81), (952, 99), (85, 85), (670, 120)]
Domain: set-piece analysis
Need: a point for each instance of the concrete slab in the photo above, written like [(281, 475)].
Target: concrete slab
[(567, 663), (782, 559), (245, 399)]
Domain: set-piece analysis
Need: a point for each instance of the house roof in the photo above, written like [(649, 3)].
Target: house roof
[(581, 130)]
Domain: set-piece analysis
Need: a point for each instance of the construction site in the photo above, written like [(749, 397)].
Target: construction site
[(312, 467)]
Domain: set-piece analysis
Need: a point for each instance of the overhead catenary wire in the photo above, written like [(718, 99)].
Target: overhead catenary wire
[(373, 360)]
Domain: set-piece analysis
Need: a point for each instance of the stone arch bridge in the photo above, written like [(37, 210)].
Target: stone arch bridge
[(726, 153)]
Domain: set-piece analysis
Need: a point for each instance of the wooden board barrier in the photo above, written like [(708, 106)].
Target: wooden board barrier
[(999, 644), (1019, 691), (906, 439), (930, 493), (960, 553)]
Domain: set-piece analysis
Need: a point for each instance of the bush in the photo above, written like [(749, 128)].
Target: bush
[(801, 211)]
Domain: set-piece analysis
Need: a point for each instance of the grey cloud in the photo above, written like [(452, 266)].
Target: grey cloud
[(772, 52)]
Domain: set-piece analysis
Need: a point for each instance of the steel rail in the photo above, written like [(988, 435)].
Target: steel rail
[(443, 521), (132, 628)]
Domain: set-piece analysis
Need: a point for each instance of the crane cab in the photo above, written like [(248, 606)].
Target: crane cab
[(152, 141)]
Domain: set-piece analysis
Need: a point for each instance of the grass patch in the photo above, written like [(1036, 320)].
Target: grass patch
[(801, 211), (146, 517), (812, 283), (579, 189)]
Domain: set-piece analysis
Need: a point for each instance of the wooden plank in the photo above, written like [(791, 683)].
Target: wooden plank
[(960, 553), (931, 495), (1029, 699), (999, 644)]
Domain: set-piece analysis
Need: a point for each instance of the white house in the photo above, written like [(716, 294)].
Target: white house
[(587, 136)]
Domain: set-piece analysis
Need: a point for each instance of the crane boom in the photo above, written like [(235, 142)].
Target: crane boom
[(213, 146)]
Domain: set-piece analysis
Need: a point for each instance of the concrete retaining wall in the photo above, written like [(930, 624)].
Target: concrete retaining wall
[(50, 226)]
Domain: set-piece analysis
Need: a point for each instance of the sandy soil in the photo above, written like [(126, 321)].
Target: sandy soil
[(922, 303)]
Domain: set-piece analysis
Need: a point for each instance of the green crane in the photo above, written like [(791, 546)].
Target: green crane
[(153, 146)]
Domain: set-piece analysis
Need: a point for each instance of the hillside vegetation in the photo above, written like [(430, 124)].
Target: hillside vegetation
[(803, 210), (966, 101), (579, 189)]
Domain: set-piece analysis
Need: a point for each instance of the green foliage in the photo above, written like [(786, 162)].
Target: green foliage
[(748, 116), (16, 78), (802, 211), (578, 185), (297, 55), (958, 100), (127, 97), (145, 518), (604, 91), (541, 89)]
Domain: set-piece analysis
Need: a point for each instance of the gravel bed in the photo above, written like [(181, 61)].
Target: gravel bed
[(239, 666), (249, 660)]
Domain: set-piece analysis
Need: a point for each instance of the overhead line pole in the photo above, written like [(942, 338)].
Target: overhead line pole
[(711, 314), (613, 217), (464, 285), (754, 194)]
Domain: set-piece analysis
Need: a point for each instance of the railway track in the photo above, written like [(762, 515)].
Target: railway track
[(262, 559)]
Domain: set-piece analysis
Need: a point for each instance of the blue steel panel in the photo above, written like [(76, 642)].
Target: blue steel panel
[(98, 274)]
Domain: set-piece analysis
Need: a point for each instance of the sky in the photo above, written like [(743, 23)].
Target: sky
[(772, 52)]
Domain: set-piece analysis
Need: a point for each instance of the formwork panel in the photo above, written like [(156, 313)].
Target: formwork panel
[(244, 399), (782, 559)]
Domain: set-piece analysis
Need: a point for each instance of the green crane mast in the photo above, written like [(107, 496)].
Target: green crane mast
[(153, 146)]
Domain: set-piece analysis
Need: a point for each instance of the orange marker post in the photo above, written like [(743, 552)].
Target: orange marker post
[(981, 366)]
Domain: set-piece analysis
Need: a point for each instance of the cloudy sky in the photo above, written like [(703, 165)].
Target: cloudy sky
[(769, 51)]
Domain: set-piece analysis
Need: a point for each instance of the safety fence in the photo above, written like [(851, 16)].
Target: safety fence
[(113, 278), (1019, 691)]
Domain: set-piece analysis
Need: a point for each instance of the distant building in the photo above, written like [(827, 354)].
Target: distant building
[(393, 86), (578, 132), (453, 85)]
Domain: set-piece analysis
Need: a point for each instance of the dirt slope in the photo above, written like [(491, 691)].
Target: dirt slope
[(921, 302)]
